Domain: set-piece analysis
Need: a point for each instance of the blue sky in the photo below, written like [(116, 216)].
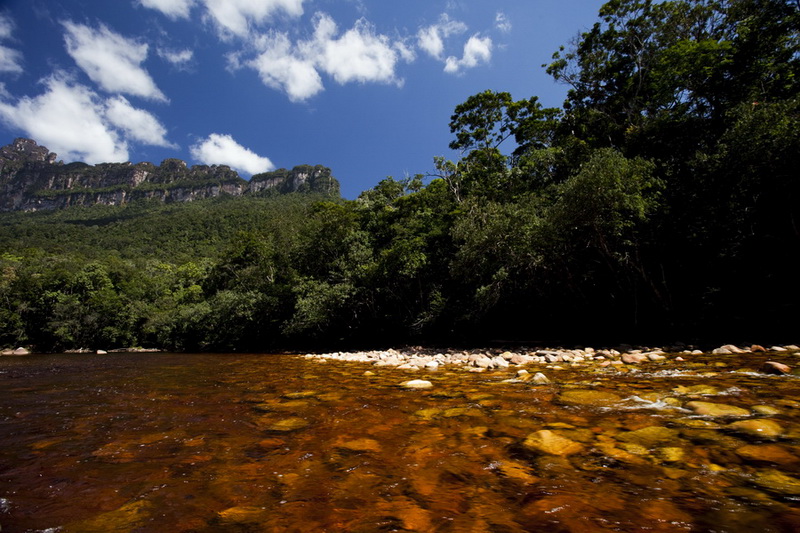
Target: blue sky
[(365, 87)]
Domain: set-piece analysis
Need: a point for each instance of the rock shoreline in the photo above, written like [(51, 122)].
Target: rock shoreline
[(481, 360)]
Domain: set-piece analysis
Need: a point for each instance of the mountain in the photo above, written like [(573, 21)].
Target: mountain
[(31, 179)]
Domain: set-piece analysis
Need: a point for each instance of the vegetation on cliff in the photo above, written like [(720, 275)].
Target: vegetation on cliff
[(660, 201)]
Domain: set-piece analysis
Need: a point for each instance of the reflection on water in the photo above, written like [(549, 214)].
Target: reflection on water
[(208, 443)]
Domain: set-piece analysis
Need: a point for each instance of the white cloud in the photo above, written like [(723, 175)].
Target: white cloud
[(10, 60), (236, 16), (406, 52), (431, 38), (502, 23), (283, 69), (174, 9), (220, 149), (359, 55), (69, 120), (111, 60), (178, 58), (138, 124), (477, 50), (79, 125), (6, 26)]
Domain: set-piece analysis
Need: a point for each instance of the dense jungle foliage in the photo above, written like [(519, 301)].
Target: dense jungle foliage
[(660, 202)]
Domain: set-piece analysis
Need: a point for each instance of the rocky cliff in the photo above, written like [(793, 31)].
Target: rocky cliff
[(32, 179)]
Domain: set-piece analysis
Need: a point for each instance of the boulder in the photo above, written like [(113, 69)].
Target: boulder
[(21, 351)]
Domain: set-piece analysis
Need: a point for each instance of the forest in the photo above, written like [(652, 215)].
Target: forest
[(658, 204)]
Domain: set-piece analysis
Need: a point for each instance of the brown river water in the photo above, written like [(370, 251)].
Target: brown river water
[(217, 443)]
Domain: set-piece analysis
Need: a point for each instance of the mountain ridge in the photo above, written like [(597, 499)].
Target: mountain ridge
[(32, 179)]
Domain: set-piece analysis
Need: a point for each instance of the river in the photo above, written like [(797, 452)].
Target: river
[(211, 443)]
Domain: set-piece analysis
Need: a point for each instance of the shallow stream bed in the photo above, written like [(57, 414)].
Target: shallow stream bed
[(212, 443)]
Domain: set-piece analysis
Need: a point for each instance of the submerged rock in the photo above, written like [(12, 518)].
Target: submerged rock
[(767, 453), (670, 454), (701, 389), (359, 445), (593, 398), (767, 410), (300, 395), (287, 425), (649, 436), (129, 517), (777, 482), (550, 442), (716, 409), (759, 427), (242, 516)]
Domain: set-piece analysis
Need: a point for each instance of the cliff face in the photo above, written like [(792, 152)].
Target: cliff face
[(31, 179)]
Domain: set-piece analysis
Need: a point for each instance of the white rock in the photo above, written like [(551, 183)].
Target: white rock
[(540, 379), (499, 362), (417, 384)]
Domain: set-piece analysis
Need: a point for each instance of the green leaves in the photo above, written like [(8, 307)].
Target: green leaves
[(601, 205)]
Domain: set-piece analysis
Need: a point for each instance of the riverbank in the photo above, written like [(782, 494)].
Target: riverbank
[(482, 360)]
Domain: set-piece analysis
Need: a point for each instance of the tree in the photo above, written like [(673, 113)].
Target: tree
[(481, 125)]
